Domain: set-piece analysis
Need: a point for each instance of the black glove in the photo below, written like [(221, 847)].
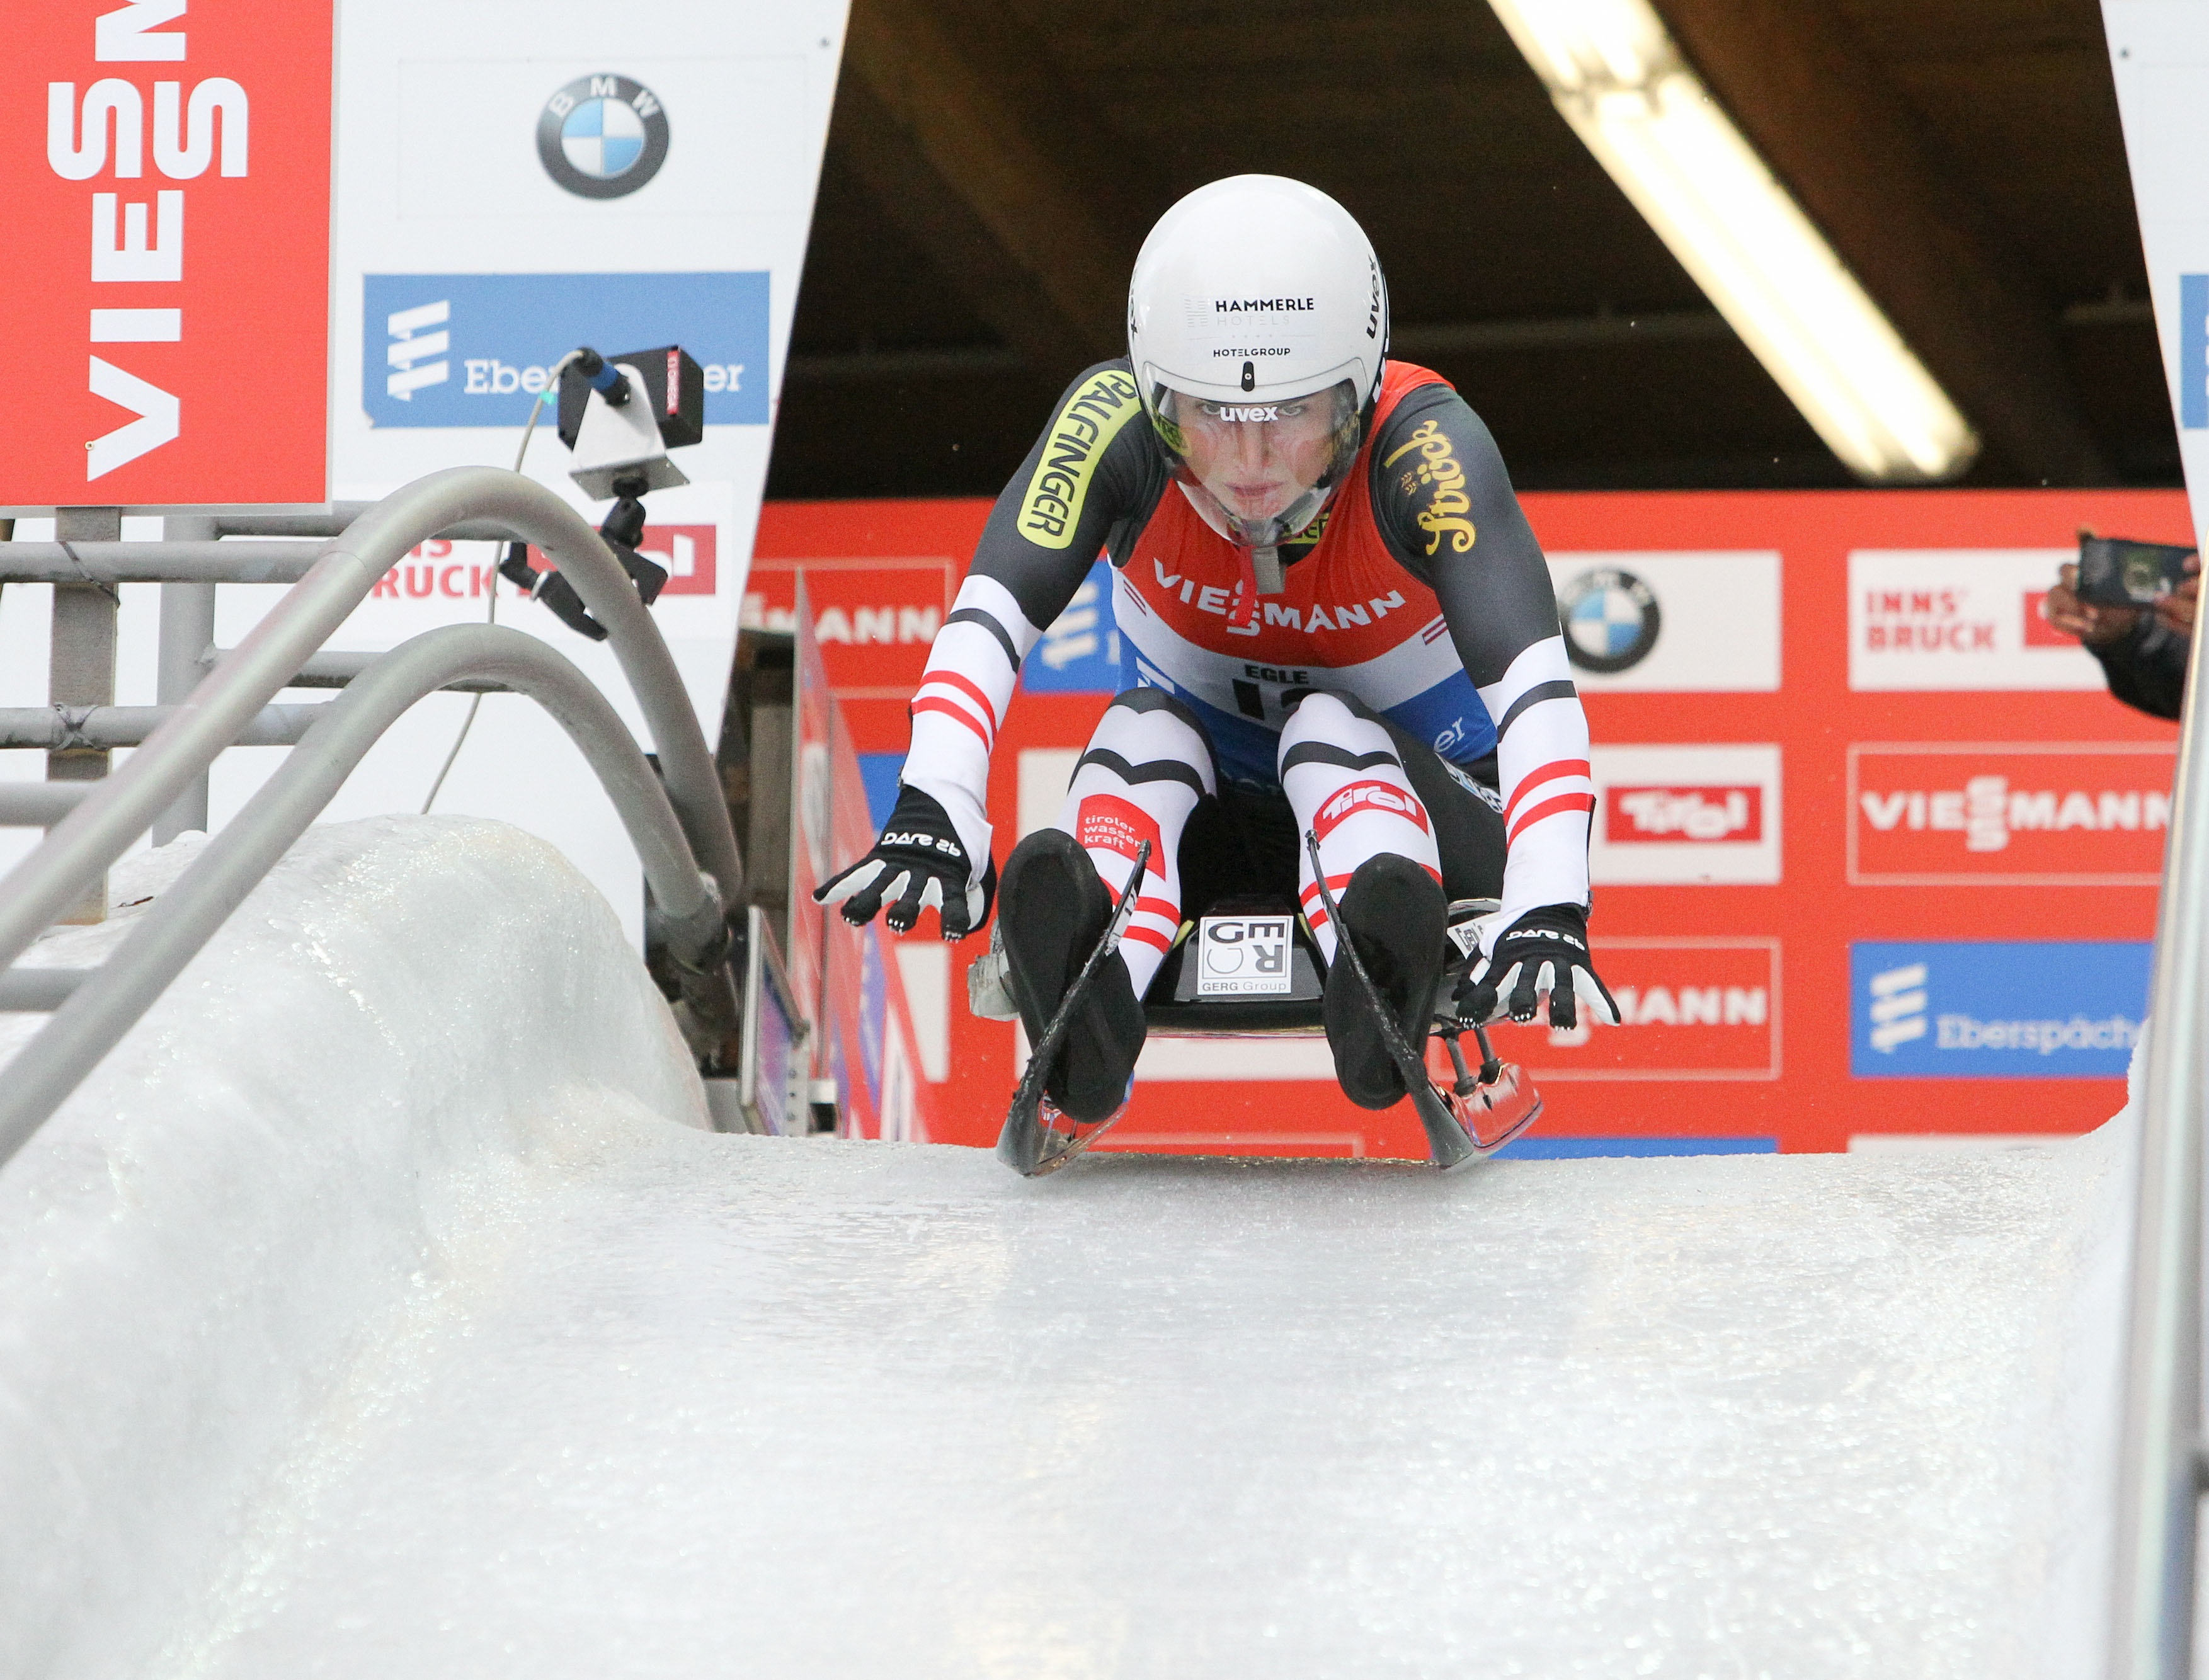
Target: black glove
[(918, 861), (1544, 950)]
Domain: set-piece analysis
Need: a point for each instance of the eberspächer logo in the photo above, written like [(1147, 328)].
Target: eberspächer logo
[(476, 350), (602, 136), (1610, 620), (2016, 1009)]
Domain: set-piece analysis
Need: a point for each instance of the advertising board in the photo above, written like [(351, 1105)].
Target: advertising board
[(1767, 823), (514, 182), (167, 177)]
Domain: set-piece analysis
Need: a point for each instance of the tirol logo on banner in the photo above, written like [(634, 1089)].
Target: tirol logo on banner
[(1685, 623), (2061, 813), (2008, 1010), (1960, 619), (1685, 816), (1689, 1009), (167, 180), (474, 350)]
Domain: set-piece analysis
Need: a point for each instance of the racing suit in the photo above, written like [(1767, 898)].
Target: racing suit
[(1417, 608)]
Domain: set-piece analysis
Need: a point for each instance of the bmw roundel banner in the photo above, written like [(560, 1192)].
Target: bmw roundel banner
[(603, 137), (515, 182)]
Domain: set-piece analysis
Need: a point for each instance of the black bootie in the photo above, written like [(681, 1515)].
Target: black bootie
[(1053, 909), (1395, 913)]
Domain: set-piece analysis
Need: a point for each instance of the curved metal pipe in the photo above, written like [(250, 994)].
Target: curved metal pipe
[(92, 837), (109, 1002)]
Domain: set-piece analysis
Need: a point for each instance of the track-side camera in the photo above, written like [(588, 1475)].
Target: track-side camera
[(619, 416)]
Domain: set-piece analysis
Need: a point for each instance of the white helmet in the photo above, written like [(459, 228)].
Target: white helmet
[(1257, 303)]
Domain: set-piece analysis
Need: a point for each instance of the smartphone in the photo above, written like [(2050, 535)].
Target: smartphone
[(2115, 571)]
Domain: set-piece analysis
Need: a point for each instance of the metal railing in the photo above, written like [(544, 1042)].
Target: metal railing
[(2160, 1464), (676, 817)]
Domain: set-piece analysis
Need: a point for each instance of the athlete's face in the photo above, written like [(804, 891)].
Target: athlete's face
[(1258, 457)]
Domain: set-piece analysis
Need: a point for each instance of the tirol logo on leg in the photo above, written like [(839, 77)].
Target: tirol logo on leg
[(1368, 796), (1998, 1009)]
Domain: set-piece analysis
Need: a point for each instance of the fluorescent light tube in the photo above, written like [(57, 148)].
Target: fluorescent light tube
[(1617, 78)]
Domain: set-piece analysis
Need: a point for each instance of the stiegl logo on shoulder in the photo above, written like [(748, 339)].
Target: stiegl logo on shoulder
[(602, 136)]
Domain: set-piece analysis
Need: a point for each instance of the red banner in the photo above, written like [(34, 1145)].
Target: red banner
[(167, 268), (1859, 812)]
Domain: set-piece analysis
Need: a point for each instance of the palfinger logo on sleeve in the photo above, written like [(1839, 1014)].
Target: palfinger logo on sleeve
[(2004, 1010), (1084, 429), (2058, 813), (1685, 816), (1689, 1009)]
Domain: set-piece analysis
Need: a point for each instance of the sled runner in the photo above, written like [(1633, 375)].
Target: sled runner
[(1274, 988)]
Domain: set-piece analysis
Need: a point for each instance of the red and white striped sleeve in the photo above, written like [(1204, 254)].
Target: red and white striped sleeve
[(961, 705), (1542, 771)]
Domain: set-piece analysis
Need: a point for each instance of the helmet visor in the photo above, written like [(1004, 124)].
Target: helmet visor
[(1260, 471)]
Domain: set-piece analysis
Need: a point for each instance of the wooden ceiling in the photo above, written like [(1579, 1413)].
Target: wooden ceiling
[(993, 165)]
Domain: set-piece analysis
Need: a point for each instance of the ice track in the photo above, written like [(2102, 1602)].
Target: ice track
[(379, 1309)]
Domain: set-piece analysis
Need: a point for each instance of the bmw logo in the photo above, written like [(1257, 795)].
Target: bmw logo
[(1610, 620), (602, 136)]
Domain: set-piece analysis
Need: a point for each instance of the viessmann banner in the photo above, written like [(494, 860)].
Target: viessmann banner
[(1874, 851), (165, 168)]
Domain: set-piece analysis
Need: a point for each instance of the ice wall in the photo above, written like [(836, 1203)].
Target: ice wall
[(409, 1018), (368, 1317)]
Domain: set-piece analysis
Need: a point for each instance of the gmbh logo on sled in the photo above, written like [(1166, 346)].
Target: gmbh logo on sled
[(1685, 816), (1243, 956), (1689, 1009), (2010, 1009), (602, 136), (476, 350), (2061, 813)]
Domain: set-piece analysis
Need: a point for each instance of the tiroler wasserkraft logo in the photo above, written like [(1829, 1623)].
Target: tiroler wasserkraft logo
[(602, 136)]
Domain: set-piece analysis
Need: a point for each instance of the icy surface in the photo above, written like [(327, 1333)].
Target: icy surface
[(264, 1178), (557, 1389)]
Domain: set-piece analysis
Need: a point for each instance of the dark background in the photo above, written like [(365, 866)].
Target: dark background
[(991, 170)]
